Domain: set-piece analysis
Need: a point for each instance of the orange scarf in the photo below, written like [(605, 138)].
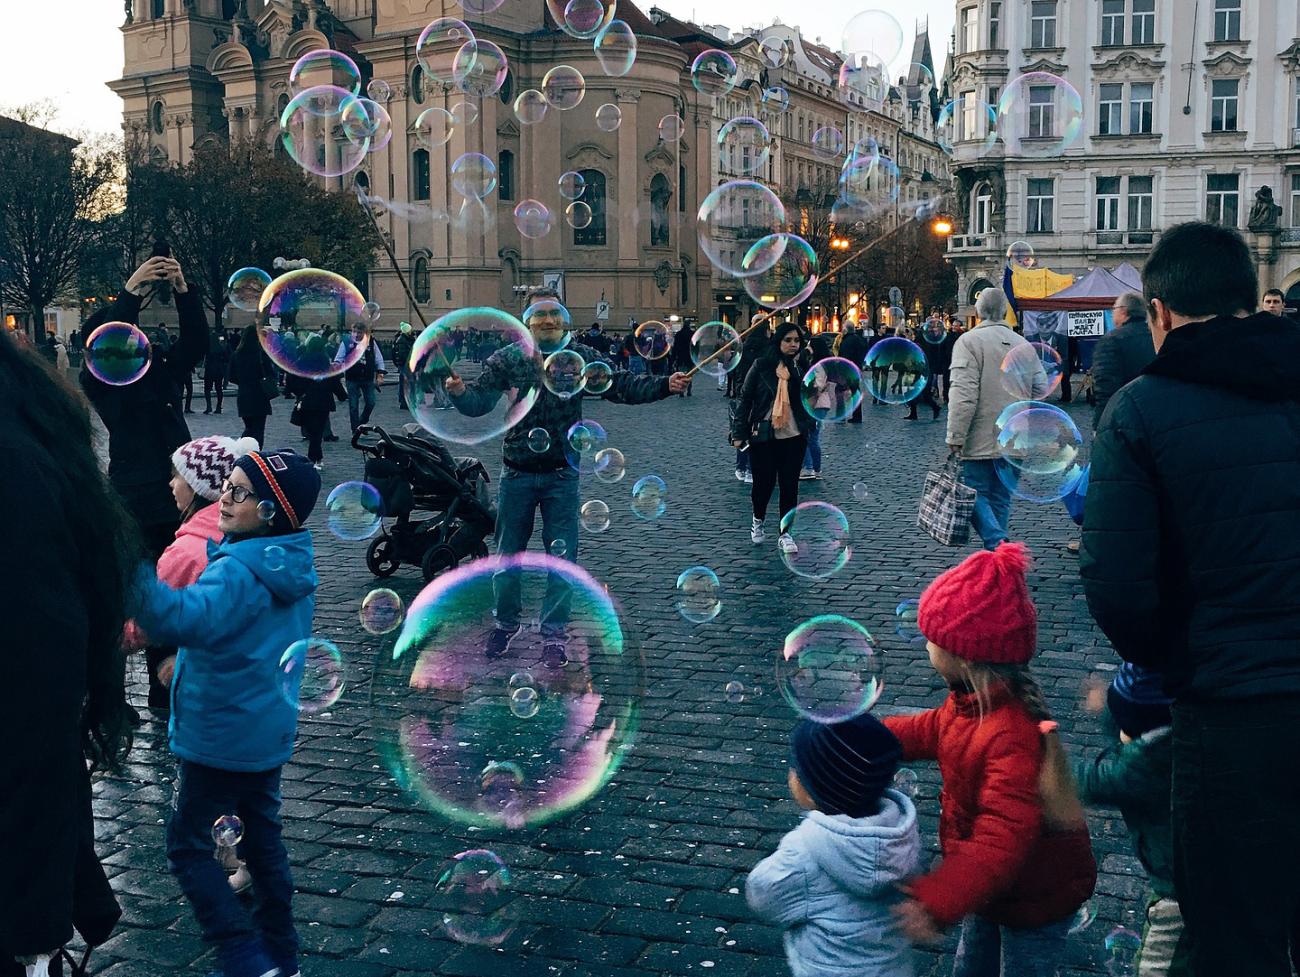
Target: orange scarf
[(781, 403)]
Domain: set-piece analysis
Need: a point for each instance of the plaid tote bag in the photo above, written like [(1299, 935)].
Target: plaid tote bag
[(946, 506)]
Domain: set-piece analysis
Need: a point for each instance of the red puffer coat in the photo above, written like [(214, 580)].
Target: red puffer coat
[(997, 859)]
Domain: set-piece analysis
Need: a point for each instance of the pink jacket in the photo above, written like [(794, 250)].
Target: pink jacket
[(182, 561)]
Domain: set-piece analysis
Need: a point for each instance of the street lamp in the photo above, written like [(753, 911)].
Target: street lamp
[(941, 226)]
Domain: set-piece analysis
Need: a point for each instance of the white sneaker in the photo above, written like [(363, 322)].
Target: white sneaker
[(241, 880), (756, 531), (749, 478), (787, 544), (805, 475), (740, 476)]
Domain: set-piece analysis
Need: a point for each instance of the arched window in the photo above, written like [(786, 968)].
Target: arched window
[(681, 189), (420, 174), (417, 85), (361, 181), (506, 175), (660, 191), (593, 235), (507, 92), (976, 287), (420, 278), (156, 117), (981, 208), (156, 8), (281, 104)]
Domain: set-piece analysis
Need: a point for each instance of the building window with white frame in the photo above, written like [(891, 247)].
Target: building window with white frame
[(1112, 23), (981, 209), (1041, 203), (1042, 23), (1224, 97), (1141, 207), (1295, 199), (1296, 119), (995, 23), (1143, 22), (1107, 204), (1222, 198), (1110, 110), (969, 116), (1141, 107), (1227, 20), (969, 34), (1042, 111)]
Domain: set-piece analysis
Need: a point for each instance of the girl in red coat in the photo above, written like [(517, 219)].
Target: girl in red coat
[(1017, 861)]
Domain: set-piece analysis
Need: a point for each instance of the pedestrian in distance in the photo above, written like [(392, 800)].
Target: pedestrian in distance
[(364, 377), (216, 366), (402, 354), (1123, 353), (253, 372), (833, 881), (312, 408)]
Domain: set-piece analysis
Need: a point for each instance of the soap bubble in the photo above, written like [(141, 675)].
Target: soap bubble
[(550, 323), (875, 34), (896, 370), (671, 128), (306, 316), (896, 318), (227, 831), (611, 466), (934, 330), (869, 186), (473, 175), (828, 670), (1039, 115), (371, 312), (776, 100), (118, 353), (746, 144), (564, 87), (967, 120), (828, 143), (562, 373), (308, 127), (1122, 947), (1040, 439), (530, 107), (379, 90), (324, 67), (863, 79), (734, 691), (821, 534), (649, 497), (714, 73), (539, 440), (786, 281), (594, 516), (444, 347), (616, 47), (599, 377), (861, 492), (274, 557), (355, 511), (735, 217), (442, 705), (475, 890), (609, 117), (582, 443), (699, 595), (381, 611), (832, 389), (480, 68), (433, 127), (1031, 371), (311, 675), (1020, 254), (652, 339), (266, 510), (905, 782), (572, 185), (774, 52), (580, 17), (480, 7), (905, 617), (524, 703), (464, 113), (245, 288), (365, 120), (533, 219), (441, 50), (578, 215), (716, 348)]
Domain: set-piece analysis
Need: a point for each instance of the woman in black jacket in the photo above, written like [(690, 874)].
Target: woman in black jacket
[(254, 373), (772, 419), (216, 366), (312, 411), (67, 556)]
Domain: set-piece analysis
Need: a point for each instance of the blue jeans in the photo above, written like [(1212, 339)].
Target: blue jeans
[(812, 456), (200, 796), (357, 392), (989, 950), (519, 496), (990, 478)]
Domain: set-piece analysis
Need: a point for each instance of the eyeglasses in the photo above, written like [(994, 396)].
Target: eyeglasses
[(238, 493)]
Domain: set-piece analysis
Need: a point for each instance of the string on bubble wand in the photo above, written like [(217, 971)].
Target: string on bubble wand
[(764, 318)]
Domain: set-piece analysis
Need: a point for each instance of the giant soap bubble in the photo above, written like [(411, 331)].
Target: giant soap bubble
[(305, 317)]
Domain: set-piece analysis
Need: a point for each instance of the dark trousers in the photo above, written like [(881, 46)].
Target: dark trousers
[(255, 427), (313, 426), (189, 390), (211, 384), (1236, 848), (776, 462), (200, 796), (927, 397)]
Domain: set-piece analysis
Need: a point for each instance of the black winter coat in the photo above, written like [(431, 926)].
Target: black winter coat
[(853, 347), (316, 395), (144, 419), (759, 393), (217, 362), (1191, 532), (1120, 356), (248, 368)]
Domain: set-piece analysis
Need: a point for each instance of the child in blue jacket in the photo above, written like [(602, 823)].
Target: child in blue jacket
[(833, 882), (233, 722)]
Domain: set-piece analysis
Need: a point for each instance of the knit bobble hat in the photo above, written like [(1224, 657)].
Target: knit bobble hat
[(285, 479), (205, 463), (845, 766), (981, 611)]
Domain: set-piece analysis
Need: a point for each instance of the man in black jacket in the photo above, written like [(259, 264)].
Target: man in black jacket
[(1191, 565), (853, 347), (1122, 353)]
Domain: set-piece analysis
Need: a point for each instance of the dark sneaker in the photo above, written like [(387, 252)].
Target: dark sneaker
[(499, 640), (554, 653)]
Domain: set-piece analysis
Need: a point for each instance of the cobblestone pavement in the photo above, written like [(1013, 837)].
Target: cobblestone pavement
[(648, 878)]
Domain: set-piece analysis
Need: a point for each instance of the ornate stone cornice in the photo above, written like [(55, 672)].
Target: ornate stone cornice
[(1290, 57), (1229, 64), (1045, 64), (1126, 64)]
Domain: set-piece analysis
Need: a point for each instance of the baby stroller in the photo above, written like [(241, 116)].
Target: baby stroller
[(413, 472)]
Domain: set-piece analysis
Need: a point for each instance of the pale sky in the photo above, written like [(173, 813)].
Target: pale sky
[(64, 50)]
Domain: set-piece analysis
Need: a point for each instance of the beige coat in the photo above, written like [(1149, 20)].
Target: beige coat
[(976, 394)]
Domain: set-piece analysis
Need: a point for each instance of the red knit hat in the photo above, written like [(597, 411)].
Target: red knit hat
[(980, 610)]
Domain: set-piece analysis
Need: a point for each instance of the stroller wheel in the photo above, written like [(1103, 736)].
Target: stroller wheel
[(381, 557), (438, 559)]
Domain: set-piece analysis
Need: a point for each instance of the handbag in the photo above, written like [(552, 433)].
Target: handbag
[(295, 415), (946, 506), (762, 433)]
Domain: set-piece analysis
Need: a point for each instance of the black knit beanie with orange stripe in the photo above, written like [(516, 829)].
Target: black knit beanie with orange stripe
[(288, 481)]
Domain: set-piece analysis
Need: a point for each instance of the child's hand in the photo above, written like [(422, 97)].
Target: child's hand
[(916, 922), (165, 670)]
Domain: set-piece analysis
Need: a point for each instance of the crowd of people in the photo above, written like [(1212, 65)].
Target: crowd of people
[(198, 551)]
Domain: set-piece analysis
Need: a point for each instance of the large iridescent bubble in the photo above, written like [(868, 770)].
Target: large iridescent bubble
[(448, 717), (616, 48), (823, 542), (245, 287), (118, 353), (716, 348), (441, 50), (832, 389), (1039, 115), (311, 322), (829, 669), (714, 73), (786, 282), (896, 371), (314, 129), (732, 219), (324, 67)]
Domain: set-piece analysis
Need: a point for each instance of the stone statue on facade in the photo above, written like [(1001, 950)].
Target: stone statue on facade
[(1265, 215)]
